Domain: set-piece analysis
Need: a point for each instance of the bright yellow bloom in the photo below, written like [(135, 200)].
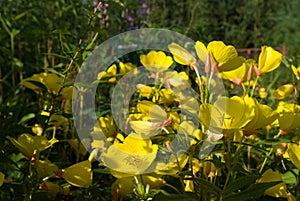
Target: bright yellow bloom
[(126, 67), (240, 74), (181, 55), (170, 167), (28, 145), (263, 93), (269, 59), (264, 115), (133, 156), (227, 114), (293, 152), (110, 73), (223, 57), (125, 185), (278, 190), (175, 79), (156, 61), (296, 71), (166, 96), (50, 80), (289, 116), (107, 126), (79, 174), (283, 91), (145, 91)]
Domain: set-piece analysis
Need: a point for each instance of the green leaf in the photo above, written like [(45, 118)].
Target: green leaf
[(290, 177), (26, 118), (207, 185), (241, 183), (38, 84), (253, 192), (273, 141), (164, 196)]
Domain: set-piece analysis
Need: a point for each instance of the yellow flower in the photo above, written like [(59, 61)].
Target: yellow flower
[(296, 71), (278, 190), (145, 91), (156, 61), (126, 67), (227, 114), (172, 166), (264, 115), (79, 174), (110, 73), (268, 60), (263, 93), (107, 126), (293, 153), (125, 185), (289, 116), (50, 80), (223, 57), (46, 168), (240, 74), (175, 79), (28, 145), (166, 96), (133, 156), (181, 55), (283, 91)]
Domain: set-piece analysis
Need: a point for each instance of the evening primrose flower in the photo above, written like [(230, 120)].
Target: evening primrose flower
[(296, 71), (126, 185), (79, 174), (145, 91), (50, 80), (46, 168), (181, 55), (157, 116), (156, 61), (293, 153), (268, 60), (227, 115), (126, 67), (283, 91), (133, 156), (240, 74), (29, 145), (222, 57), (110, 73), (289, 116), (278, 190), (263, 116)]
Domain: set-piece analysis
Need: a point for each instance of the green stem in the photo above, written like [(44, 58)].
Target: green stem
[(254, 86), (265, 160)]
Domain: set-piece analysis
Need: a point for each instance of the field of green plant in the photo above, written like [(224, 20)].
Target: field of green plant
[(149, 100)]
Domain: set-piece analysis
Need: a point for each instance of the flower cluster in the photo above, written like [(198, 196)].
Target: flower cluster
[(182, 127)]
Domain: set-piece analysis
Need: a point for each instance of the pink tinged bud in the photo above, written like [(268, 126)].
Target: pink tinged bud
[(167, 122), (208, 63), (249, 75), (169, 147), (237, 81), (283, 132), (257, 71)]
